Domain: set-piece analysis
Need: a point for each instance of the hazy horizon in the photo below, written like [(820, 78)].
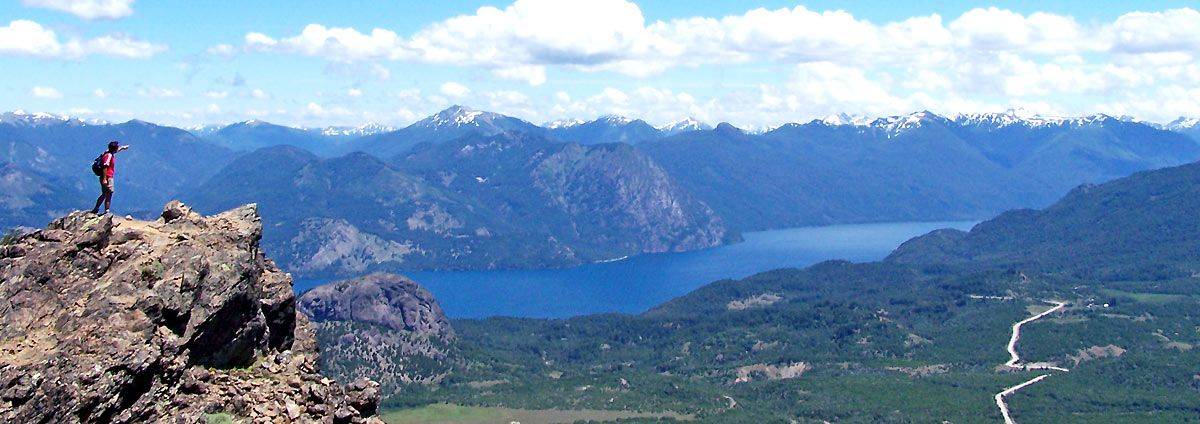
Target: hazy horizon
[(320, 64)]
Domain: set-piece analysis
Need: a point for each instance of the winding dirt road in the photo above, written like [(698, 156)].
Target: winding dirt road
[(1000, 397), (1014, 360), (732, 403)]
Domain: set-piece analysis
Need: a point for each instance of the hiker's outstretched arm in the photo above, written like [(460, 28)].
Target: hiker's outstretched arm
[(123, 147)]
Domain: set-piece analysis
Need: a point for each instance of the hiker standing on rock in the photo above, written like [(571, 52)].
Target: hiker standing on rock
[(105, 167)]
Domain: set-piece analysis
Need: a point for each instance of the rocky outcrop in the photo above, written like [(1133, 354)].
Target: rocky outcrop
[(390, 300), (1096, 352), (104, 319), (754, 372), (336, 246), (757, 301), (624, 198), (385, 317)]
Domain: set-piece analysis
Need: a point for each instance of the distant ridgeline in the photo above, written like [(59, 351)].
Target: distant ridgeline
[(467, 189), (919, 337), (1144, 226)]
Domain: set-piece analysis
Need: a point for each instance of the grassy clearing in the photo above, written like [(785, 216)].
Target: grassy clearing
[(1037, 308), (1143, 297), (458, 414)]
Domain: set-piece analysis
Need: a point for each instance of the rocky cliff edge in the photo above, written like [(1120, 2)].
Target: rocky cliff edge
[(104, 319)]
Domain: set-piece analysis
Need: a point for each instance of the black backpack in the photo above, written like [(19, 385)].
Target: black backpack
[(98, 165)]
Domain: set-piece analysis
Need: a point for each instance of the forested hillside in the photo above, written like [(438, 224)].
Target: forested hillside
[(919, 337)]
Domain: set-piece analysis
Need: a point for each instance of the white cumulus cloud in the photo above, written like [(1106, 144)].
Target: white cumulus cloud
[(160, 93), (520, 41), (1175, 30), (339, 44), (994, 29), (45, 92), (455, 90), (87, 9), (819, 61), (827, 88), (28, 38)]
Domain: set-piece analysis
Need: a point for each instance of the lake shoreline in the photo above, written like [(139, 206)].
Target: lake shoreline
[(637, 283)]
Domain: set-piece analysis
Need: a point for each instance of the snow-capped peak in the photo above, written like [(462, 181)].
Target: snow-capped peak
[(458, 118), (846, 119), (563, 123), (202, 130), (614, 119), (684, 125), (361, 130), (1183, 123), (21, 117), (761, 129), (1029, 119), (1014, 116), (896, 125), (455, 116), (1091, 119)]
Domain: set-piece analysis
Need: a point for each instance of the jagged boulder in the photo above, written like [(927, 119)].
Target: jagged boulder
[(104, 319), (386, 317), (389, 300)]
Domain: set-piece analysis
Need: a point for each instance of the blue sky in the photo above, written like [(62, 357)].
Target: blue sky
[(754, 64)]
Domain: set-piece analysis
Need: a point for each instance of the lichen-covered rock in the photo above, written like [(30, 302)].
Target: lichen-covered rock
[(385, 317), (105, 319), (389, 300)]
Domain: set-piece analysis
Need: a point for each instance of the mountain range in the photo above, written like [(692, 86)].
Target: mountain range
[(505, 201), (184, 316), (47, 159), (608, 129), (916, 167), (452, 123), (468, 189)]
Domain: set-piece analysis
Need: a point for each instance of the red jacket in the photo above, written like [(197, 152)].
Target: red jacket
[(109, 161)]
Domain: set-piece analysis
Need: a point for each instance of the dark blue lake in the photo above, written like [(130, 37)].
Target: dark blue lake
[(638, 283)]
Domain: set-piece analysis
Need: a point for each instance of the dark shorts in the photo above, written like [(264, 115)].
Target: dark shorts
[(106, 186)]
